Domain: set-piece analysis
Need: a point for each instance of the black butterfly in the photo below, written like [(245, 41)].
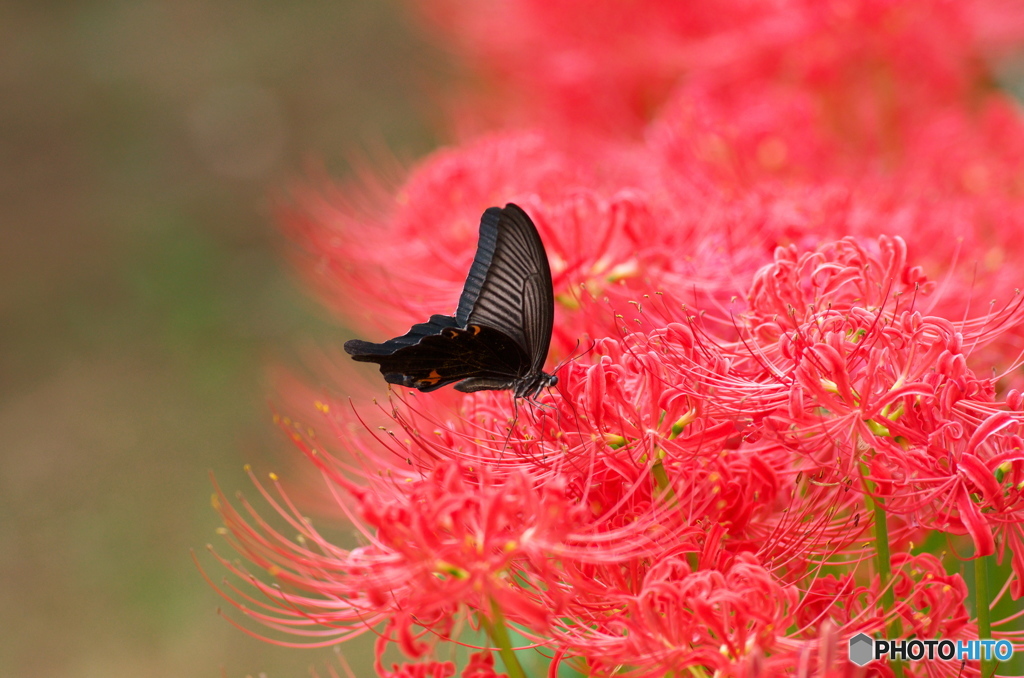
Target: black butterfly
[(499, 336)]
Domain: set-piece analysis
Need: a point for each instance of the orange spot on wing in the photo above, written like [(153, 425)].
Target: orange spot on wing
[(431, 380), (475, 328)]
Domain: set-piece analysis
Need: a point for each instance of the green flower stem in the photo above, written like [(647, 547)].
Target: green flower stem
[(883, 559), (981, 601), (661, 481), (884, 566), (498, 633)]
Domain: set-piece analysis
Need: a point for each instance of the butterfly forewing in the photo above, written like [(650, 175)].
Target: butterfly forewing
[(538, 314), (509, 284)]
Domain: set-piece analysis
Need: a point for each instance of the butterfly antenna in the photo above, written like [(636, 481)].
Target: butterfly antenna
[(561, 363), (572, 358), (593, 345)]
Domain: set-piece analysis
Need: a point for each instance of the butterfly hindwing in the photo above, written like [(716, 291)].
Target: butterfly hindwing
[(451, 355), (360, 350), (509, 283)]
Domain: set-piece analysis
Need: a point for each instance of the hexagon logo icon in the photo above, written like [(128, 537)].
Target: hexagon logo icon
[(861, 649)]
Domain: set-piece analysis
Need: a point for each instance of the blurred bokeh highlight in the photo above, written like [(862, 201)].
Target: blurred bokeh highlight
[(143, 295)]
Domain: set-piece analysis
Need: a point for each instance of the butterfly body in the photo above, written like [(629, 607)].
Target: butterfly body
[(500, 333)]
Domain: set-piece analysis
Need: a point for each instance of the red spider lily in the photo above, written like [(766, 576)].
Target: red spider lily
[(679, 453), (631, 499), (790, 242), (862, 381)]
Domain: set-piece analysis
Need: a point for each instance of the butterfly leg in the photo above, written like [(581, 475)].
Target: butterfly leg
[(515, 420)]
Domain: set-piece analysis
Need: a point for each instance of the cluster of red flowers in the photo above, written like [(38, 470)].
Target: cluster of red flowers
[(790, 235)]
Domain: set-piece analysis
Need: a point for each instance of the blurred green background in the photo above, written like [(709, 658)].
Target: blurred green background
[(143, 295)]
